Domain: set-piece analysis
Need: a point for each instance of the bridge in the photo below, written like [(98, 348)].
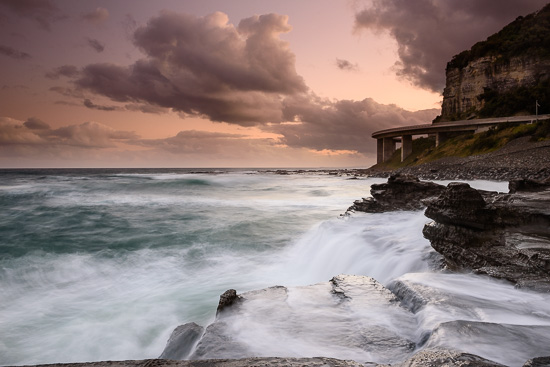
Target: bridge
[(387, 139)]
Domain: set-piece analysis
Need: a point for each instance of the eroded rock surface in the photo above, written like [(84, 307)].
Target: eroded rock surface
[(503, 235), (349, 317), (401, 192)]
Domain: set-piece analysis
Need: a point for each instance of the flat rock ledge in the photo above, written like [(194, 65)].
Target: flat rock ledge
[(244, 362), (426, 358)]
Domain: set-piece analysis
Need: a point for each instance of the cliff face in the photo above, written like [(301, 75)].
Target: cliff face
[(503, 75), (465, 87)]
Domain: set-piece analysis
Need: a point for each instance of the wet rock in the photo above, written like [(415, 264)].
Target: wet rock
[(526, 185), (517, 343), (217, 342), (538, 362), (228, 298), (182, 341), (243, 362), (447, 358), (502, 235), (401, 192), (337, 319)]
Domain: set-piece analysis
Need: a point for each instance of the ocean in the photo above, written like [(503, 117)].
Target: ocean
[(104, 264)]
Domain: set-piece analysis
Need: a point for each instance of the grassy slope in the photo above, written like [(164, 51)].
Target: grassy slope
[(424, 149)]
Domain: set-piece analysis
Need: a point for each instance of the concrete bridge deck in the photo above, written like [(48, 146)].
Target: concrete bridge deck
[(387, 139)]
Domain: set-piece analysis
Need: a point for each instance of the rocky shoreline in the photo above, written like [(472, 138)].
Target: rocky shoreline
[(520, 158), (502, 235), (441, 357)]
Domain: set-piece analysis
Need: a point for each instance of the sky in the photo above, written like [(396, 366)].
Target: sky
[(225, 83)]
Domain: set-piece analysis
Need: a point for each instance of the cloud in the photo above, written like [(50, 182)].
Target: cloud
[(37, 135), (430, 32), (43, 12), (13, 53), (205, 66), (89, 135), (69, 71), (95, 44), (94, 106), (342, 125), (96, 16), (34, 123), (13, 132), (202, 143), (145, 108), (67, 92), (346, 65)]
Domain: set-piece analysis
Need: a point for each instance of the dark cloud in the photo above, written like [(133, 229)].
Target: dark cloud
[(346, 65), (66, 103), (342, 125), (67, 92), (96, 16), (129, 24), (145, 108), (94, 106), (205, 66), (34, 123), (69, 71), (95, 44), (430, 32), (44, 12), (13, 53)]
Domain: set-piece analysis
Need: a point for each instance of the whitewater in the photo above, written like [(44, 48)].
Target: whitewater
[(104, 264)]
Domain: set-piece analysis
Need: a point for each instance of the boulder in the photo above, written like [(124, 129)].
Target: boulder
[(502, 235)]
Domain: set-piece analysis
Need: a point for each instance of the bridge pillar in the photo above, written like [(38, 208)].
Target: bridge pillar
[(379, 150), (389, 148), (406, 146)]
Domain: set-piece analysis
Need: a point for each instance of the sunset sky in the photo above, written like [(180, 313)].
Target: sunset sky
[(225, 83)]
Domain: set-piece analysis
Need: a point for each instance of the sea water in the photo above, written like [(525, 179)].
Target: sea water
[(104, 264)]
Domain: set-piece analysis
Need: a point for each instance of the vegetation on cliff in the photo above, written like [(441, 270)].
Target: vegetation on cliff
[(528, 36), (516, 99)]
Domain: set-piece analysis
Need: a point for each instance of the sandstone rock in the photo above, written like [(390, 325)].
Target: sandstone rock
[(464, 86), (401, 192)]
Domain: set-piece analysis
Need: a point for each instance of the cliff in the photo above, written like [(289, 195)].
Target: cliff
[(503, 75)]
